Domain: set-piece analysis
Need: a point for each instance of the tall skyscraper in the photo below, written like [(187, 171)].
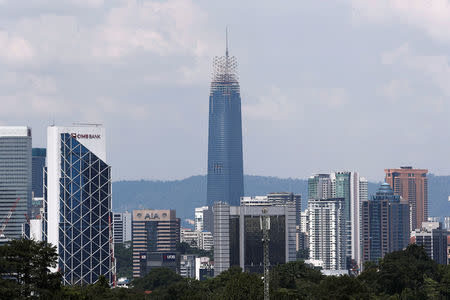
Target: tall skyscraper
[(153, 231), (412, 185), (327, 233), (78, 213), (385, 224), (15, 179), (353, 189), (38, 165), (225, 166)]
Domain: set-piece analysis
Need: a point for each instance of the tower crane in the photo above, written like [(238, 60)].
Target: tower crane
[(6, 219)]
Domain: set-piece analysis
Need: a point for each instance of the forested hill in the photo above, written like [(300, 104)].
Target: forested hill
[(184, 195)]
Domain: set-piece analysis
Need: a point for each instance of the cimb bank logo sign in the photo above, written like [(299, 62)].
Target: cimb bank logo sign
[(88, 136)]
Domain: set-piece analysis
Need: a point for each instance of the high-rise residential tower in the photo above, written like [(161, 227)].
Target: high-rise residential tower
[(15, 179), (384, 224), (412, 185), (225, 166), (353, 189), (77, 208)]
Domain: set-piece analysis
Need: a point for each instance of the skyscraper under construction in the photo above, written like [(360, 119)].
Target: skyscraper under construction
[(225, 166)]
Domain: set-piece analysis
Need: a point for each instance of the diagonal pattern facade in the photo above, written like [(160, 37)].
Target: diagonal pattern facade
[(85, 251)]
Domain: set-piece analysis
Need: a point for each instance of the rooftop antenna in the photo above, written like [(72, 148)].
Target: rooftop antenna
[(226, 41)]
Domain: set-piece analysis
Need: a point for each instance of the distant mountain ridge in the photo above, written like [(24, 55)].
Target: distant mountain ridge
[(186, 194)]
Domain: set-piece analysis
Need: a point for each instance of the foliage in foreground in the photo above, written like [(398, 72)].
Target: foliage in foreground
[(407, 274)]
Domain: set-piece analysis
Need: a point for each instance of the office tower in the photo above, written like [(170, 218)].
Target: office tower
[(284, 197), (15, 180), (353, 189), (122, 227), (238, 235), (153, 231), (225, 166), (412, 185), (385, 224), (327, 233), (77, 207), (434, 239), (199, 218), (38, 165)]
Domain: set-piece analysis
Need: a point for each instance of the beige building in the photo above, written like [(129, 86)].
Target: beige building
[(153, 231)]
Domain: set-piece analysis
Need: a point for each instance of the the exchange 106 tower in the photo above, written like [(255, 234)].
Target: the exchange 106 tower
[(225, 167)]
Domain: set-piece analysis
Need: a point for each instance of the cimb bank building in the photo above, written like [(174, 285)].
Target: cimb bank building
[(77, 208)]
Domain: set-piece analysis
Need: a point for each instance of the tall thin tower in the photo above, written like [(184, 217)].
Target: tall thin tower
[(225, 166)]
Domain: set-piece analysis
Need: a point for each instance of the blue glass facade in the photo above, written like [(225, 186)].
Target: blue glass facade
[(38, 164), (85, 251), (225, 165)]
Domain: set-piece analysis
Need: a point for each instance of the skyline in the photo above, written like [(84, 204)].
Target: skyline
[(346, 85)]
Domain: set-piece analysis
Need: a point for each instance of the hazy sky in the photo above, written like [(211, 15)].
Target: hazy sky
[(326, 85)]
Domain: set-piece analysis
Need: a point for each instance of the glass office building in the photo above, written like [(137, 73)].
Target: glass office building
[(15, 180), (78, 204), (38, 165), (225, 166)]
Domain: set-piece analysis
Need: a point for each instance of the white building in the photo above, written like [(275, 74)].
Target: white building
[(122, 227), (199, 218), (354, 190), (327, 233), (78, 218), (198, 239)]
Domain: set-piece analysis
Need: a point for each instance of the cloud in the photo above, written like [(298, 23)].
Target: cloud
[(430, 16), (434, 67), (290, 104), (14, 48)]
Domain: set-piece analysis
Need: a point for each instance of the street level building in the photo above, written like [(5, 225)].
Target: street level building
[(412, 185), (238, 236), (385, 224), (77, 208), (153, 231)]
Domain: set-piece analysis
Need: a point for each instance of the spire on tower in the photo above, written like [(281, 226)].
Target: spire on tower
[(226, 41)]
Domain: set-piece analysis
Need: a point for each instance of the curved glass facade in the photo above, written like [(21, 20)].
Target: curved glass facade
[(225, 166), (85, 214)]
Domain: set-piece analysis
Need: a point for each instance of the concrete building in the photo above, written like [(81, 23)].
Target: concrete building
[(353, 189), (199, 218), (385, 224), (412, 185), (204, 268), (447, 223), (151, 260), (15, 180), (198, 239), (434, 239), (237, 235), (187, 265), (77, 208), (122, 227), (153, 231), (327, 233)]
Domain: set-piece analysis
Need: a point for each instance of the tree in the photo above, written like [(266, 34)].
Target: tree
[(158, 277), (24, 265), (124, 259)]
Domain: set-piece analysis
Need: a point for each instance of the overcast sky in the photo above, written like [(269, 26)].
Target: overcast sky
[(326, 85)]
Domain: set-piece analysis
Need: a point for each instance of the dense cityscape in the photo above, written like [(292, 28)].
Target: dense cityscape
[(61, 236)]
